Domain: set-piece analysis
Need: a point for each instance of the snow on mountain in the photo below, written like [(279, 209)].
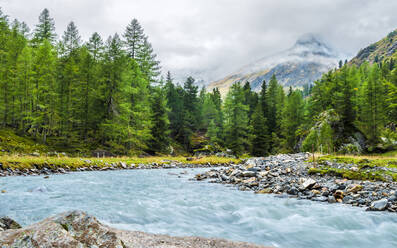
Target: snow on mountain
[(302, 64)]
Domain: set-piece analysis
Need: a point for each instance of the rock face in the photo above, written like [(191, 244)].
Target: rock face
[(378, 51), (78, 229)]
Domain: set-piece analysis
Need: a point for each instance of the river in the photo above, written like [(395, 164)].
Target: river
[(167, 202)]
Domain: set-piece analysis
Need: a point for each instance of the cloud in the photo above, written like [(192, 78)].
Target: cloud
[(211, 38)]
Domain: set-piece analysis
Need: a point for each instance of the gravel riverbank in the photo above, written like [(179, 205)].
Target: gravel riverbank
[(287, 175), (48, 169)]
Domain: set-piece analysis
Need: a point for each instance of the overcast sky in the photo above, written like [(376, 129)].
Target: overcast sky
[(211, 38)]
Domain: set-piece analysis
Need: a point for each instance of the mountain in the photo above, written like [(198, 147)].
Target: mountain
[(378, 51), (302, 64)]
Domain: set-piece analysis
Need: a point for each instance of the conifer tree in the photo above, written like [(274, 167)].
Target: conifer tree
[(160, 132), (373, 113), (260, 141), (25, 87), (263, 99), (292, 118), (147, 61), (115, 124), (134, 38), (236, 120), (45, 118), (45, 29)]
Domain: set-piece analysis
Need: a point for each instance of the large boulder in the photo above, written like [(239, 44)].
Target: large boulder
[(78, 229), (71, 229)]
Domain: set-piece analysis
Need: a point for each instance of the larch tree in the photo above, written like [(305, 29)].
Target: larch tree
[(45, 29)]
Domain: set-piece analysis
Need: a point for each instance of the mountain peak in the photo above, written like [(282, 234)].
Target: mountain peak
[(301, 64), (310, 38), (311, 44)]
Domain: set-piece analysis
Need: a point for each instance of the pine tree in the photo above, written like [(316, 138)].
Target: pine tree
[(160, 132), (44, 121), (391, 97), (260, 141), (263, 99), (147, 61), (71, 86), (71, 39), (25, 88), (292, 118), (4, 53), (140, 123), (115, 124), (45, 29), (191, 113), (373, 113), (95, 46), (134, 38), (272, 94), (344, 99), (236, 120)]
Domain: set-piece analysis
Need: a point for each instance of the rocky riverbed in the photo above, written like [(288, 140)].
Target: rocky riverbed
[(78, 229), (287, 175), (48, 169)]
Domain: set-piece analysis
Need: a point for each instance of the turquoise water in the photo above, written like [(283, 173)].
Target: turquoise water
[(158, 201)]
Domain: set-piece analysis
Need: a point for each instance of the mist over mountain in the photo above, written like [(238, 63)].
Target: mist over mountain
[(301, 64)]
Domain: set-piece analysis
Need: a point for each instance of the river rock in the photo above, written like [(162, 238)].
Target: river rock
[(264, 191), (308, 182), (78, 229), (379, 205), (331, 199), (354, 188), (8, 223), (248, 173), (71, 229)]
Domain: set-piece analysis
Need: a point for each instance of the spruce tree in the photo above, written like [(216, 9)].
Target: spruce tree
[(263, 99), (260, 141), (160, 131), (292, 118)]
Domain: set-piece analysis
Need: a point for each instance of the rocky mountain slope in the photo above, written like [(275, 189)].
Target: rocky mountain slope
[(303, 63), (378, 51)]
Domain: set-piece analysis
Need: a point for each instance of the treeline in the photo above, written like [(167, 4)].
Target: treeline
[(71, 93), (110, 95), (351, 102)]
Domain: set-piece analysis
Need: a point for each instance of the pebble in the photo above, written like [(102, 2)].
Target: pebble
[(287, 174)]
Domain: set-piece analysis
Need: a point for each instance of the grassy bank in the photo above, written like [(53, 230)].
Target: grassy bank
[(30, 162), (356, 167)]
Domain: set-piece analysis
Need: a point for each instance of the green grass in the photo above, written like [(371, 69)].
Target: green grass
[(354, 175), (12, 143), (362, 163), (30, 162)]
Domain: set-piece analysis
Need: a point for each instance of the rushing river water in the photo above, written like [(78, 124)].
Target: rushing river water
[(165, 201)]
